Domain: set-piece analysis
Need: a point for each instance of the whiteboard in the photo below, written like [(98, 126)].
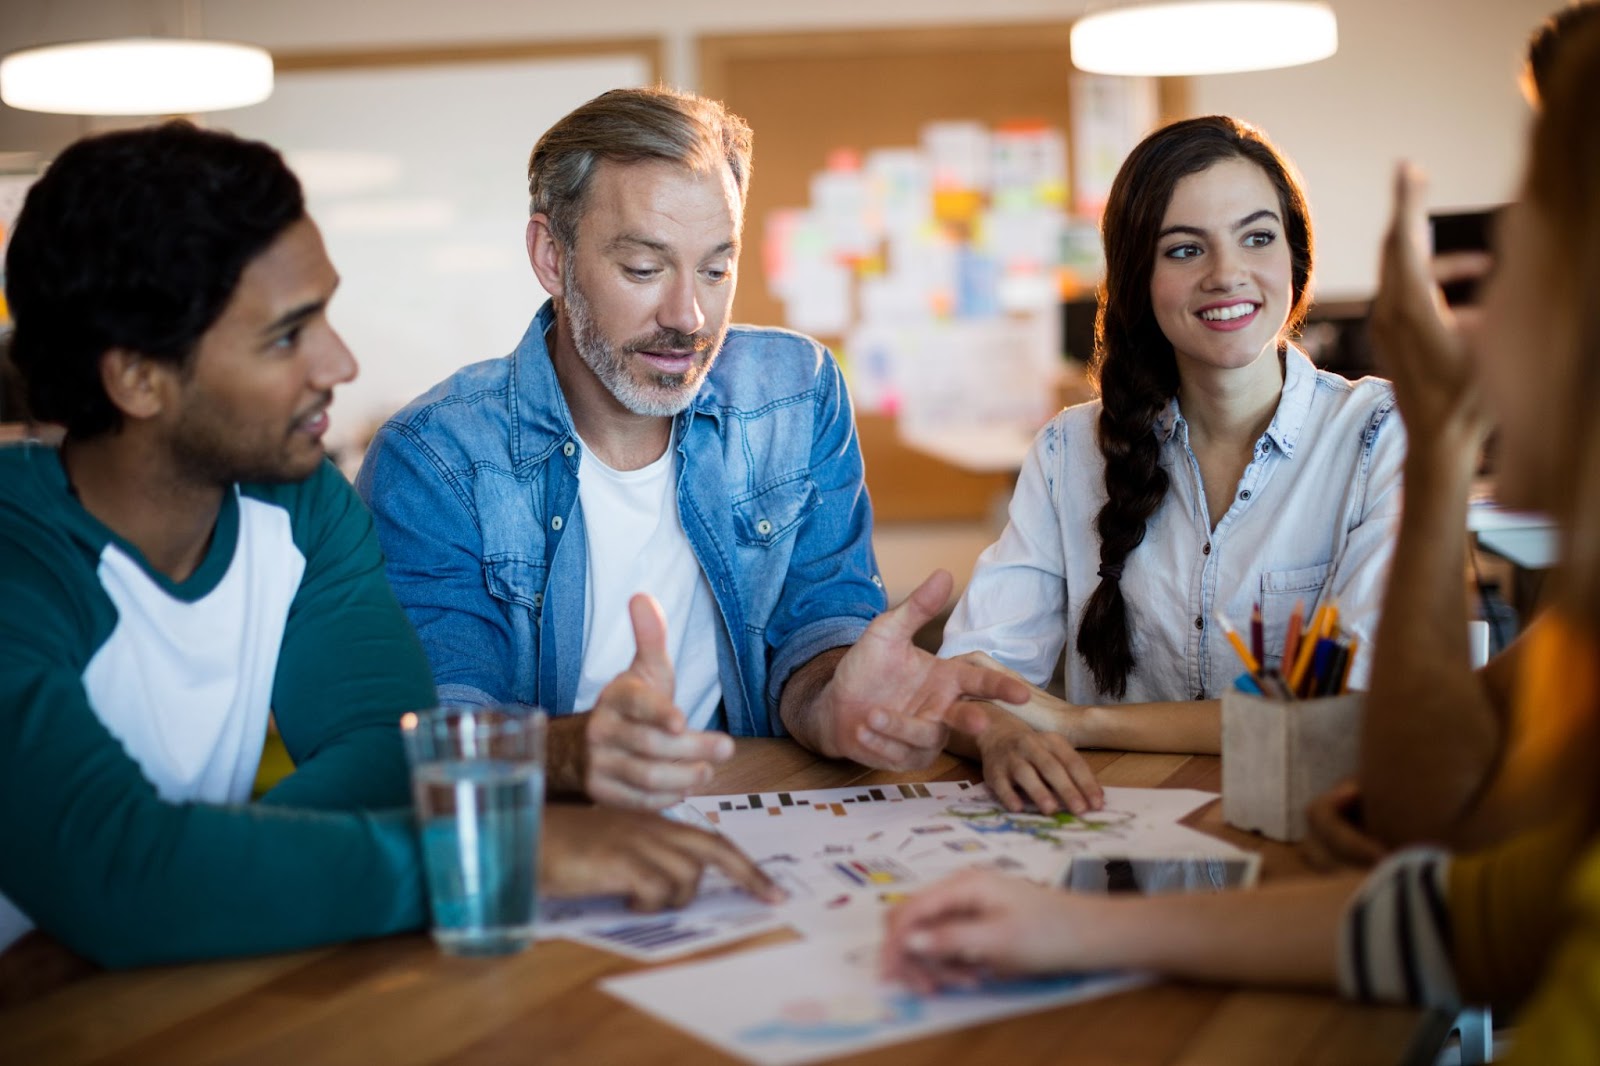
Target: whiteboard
[(417, 176)]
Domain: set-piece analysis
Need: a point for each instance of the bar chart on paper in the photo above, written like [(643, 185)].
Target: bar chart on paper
[(896, 838), (841, 855), (839, 802)]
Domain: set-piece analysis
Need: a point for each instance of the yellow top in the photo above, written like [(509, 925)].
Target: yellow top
[(1562, 1024), (1508, 924)]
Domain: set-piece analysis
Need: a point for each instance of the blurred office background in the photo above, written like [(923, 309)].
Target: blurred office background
[(411, 121)]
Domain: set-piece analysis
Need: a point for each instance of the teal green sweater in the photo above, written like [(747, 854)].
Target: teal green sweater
[(133, 710)]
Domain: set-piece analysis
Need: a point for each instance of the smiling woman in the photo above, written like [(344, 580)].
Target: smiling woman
[(1221, 282), (1220, 470)]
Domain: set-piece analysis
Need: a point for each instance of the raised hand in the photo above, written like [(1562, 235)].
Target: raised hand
[(1420, 342), (640, 750)]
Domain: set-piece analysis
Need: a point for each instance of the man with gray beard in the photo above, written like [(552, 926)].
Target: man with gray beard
[(645, 520)]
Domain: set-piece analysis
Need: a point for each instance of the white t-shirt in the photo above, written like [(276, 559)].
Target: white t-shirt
[(637, 544)]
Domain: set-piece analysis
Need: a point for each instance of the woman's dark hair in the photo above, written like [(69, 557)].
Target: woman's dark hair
[(1562, 193), (1134, 363), (134, 239), (1548, 41)]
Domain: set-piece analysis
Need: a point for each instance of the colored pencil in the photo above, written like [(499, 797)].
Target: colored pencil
[(1330, 625), (1251, 663), (1272, 685), (1308, 644), (1344, 682), (1291, 640), (1326, 649), (1258, 645)]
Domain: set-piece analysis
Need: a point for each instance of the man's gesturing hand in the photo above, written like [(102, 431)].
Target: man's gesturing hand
[(641, 752), (890, 704)]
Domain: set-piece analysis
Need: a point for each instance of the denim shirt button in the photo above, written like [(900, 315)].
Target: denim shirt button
[(764, 527), (1199, 622), (1245, 495), (538, 600), (568, 449), (555, 523), (1207, 549), (878, 581)]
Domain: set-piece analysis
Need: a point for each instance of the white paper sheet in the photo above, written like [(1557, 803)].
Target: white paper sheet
[(844, 854), (797, 1003)]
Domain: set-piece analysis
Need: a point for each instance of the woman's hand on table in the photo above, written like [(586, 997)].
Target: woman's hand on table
[(1022, 764), (653, 861), (976, 925), (1027, 751)]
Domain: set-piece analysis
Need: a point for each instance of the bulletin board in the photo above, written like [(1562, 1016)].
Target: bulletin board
[(807, 94)]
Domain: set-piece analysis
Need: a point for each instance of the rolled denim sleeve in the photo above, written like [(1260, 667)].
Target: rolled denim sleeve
[(832, 589), (1361, 572), (430, 536)]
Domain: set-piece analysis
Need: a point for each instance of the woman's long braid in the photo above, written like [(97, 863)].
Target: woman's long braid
[(1133, 393)]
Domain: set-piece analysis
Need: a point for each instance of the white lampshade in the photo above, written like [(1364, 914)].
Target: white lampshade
[(1204, 37), (136, 76)]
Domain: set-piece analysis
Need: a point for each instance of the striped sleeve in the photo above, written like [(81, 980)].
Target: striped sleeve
[(1395, 940)]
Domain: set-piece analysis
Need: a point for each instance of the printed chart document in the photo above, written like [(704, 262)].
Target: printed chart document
[(827, 843), (840, 851), (722, 912), (845, 855)]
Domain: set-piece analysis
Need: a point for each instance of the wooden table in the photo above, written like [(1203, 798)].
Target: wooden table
[(398, 1000)]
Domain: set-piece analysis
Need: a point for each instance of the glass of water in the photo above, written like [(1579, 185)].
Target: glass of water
[(477, 775)]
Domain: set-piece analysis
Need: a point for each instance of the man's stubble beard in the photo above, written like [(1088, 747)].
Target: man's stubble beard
[(661, 395)]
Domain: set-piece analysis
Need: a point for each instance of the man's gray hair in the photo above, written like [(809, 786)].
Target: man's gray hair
[(631, 126)]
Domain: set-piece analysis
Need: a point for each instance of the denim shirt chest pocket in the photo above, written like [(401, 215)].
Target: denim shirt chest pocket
[(515, 580), (764, 524), (517, 584), (1280, 591)]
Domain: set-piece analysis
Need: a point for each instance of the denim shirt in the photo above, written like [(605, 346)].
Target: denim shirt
[(474, 488), (1313, 518)]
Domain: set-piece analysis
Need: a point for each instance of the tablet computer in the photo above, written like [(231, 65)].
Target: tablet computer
[(1154, 875)]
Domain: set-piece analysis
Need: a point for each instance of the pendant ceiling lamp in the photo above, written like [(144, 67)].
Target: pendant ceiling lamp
[(1203, 37), (156, 75), (136, 76)]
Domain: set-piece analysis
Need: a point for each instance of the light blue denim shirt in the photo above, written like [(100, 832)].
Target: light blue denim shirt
[(474, 488), (1313, 518)]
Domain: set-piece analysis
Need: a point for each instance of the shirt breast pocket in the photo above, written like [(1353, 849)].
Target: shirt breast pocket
[(1280, 591), (515, 581), (767, 517)]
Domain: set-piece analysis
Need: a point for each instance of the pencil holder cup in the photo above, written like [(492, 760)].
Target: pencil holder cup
[(1278, 755)]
